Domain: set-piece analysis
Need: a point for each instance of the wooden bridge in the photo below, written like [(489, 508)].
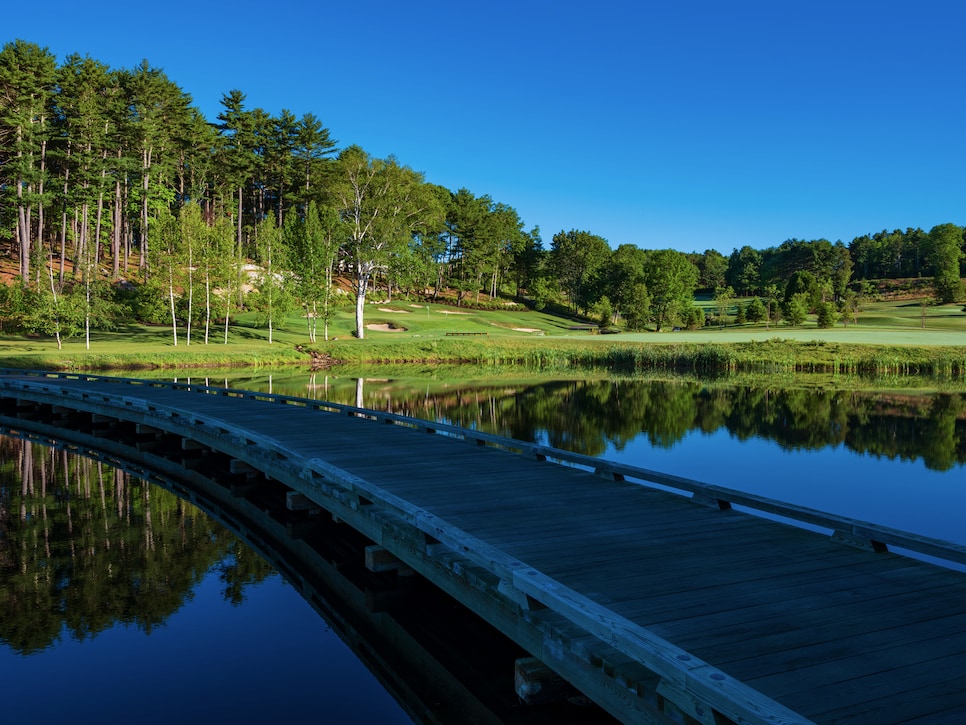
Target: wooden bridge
[(656, 605)]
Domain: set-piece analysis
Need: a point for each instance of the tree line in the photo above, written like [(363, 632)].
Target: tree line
[(119, 199)]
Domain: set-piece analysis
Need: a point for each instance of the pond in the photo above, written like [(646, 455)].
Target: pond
[(137, 604)]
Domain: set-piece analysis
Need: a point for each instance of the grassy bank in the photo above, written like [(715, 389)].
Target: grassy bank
[(773, 355), (433, 335), (768, 356)]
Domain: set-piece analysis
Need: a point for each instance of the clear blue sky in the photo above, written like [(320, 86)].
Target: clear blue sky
[(690, 124)]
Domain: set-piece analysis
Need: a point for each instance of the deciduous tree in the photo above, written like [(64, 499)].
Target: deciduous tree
[(381, 205), (575, 259), (671, 279), (946, 242)]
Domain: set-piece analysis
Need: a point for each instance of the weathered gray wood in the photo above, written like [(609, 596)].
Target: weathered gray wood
[(379, 559), (536, 684), (719, 609)]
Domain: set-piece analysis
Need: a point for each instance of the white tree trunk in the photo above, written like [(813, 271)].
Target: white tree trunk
[(174, 318), (360, 314)]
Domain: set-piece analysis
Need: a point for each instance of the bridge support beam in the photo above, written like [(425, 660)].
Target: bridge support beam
[(537, 684), (379, 560), (295, 501)]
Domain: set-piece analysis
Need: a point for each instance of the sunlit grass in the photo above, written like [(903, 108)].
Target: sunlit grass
[(888, 337)]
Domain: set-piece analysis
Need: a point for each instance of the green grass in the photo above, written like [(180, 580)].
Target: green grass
[(887, 339)]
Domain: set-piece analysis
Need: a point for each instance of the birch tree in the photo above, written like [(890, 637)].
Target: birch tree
[(219, 270), (381, 205), (169, 237)]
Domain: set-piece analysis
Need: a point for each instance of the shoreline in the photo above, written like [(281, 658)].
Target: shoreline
[(776, 354)]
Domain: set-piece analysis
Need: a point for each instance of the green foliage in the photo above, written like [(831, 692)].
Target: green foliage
[(723, 300), (795, 308), (382, 204), (891, 255), (14, 299), (240, 569), (543, 291), (713, 268), (755, 310), (826, 314), (576, 258), (744, 270), (693, 318), (148, 303), (79, 558), (602, 311), (671, 279), (946, 253), (802, 282), (622, 280), (637, 307)]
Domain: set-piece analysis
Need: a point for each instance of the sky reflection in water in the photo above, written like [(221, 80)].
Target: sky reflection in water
[(892, 492), (270, 659)]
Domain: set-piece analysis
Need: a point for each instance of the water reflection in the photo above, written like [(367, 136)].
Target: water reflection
[(592, 416), (106, 578), (133, 601)]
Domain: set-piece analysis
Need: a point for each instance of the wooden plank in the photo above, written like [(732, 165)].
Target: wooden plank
[(785, 610), (735, 629), (874, 690), (703, 600), (931, 639)]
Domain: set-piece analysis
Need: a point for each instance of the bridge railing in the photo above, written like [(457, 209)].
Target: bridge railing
[(848, 529), (689, 682)]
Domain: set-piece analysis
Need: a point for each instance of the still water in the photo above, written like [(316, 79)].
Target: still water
[(120, 601)]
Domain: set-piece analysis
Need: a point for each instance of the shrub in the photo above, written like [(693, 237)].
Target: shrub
[(755, 310), (826, 314)]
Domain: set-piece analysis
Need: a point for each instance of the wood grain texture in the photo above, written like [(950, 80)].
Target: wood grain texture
[(827, 630)]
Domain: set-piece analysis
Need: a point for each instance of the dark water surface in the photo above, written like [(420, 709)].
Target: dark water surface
[(120, 602)]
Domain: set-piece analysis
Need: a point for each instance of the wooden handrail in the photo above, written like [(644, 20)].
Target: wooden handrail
[(847, 527), (684, 674)]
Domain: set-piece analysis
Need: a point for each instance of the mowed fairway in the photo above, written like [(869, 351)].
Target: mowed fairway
[(878, 323), (404, 331)]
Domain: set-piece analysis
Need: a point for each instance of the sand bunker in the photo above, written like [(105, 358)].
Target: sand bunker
[(385, 328), (452, 312), (525, 329), (390, 309)]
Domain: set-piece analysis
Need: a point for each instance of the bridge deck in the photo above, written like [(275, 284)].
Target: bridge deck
[(830, 631)]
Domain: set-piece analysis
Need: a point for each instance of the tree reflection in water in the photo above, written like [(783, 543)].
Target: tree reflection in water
[(591, 416), (120, 601)]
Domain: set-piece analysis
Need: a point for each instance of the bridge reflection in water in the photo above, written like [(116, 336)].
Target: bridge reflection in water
[(639, 597), (439, 661)]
